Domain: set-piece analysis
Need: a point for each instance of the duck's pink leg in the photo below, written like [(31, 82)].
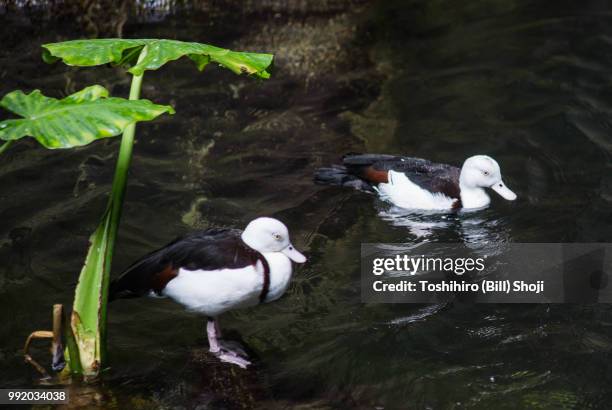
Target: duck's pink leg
[(223, 353), (211, 331)]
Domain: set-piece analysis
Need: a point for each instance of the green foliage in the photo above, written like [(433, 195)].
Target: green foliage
[(76, 120), (154, 54), (86, 319)]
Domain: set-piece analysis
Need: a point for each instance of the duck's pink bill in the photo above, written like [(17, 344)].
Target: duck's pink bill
[(504, 191), (294, 254)]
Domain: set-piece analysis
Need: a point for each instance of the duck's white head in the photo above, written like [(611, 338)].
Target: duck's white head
[(478, 172), (270, 235)]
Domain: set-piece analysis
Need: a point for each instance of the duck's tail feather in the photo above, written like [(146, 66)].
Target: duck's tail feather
[(116, 291), (339, 175), (137, 280)]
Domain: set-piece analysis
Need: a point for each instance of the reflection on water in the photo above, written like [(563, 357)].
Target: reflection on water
[(523, 81), (472, 227), (420, 224)]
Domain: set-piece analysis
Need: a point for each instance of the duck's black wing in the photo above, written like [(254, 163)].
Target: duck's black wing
[(210, 249), (358, 170)]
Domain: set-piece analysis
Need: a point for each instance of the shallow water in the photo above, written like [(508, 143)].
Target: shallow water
[(524, 82)]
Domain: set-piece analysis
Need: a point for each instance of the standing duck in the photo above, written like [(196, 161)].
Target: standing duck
[(417, 183), (216, 270)]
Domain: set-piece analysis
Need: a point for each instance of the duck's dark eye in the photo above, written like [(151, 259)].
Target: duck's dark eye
[(277, 236), (485, 172)]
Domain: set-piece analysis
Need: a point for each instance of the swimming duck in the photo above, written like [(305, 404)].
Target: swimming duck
[(216, 270), (417, 183)]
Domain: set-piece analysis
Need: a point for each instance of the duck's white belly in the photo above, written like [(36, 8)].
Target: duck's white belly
[(402, 192), (214, 292)]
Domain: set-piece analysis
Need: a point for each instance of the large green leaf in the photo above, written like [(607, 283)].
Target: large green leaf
[(156, 53), (88, 315), (76, 120)]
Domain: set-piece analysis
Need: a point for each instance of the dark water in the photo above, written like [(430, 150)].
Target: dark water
[(526, 82)]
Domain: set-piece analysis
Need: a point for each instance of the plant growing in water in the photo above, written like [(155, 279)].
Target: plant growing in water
[(89, 115)]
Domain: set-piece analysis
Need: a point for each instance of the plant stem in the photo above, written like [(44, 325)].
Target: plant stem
[(116, 203), (89, 313), (123, 165), (5, 146)]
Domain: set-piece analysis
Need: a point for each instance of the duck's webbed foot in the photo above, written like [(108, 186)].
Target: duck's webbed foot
[(232, 357), (226, 351)]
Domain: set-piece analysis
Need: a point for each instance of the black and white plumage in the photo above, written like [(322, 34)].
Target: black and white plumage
[(210, 249), (418, 183), (216, 270)]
